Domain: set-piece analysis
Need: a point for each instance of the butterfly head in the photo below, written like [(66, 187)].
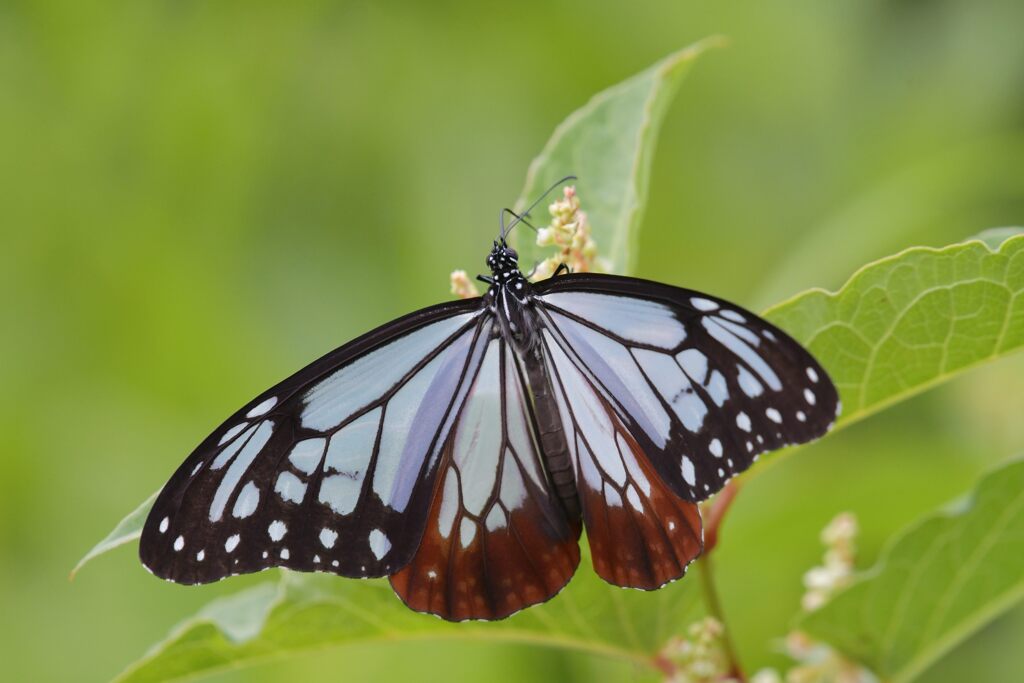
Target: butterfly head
[(503, 260)]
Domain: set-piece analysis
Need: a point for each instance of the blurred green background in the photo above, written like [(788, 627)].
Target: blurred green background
[(198, 198)]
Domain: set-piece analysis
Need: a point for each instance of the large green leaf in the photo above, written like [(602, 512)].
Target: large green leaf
[(935, 584), (609, 143), (303, 612), (907, 322)]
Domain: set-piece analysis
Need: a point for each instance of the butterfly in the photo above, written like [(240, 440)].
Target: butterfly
[(462, 449)]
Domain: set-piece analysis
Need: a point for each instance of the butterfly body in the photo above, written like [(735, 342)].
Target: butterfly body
[(461, 450)]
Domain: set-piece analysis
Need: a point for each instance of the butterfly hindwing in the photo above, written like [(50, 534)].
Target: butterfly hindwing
[(330, 470), (703, 385), (641, 534), (497, 539)]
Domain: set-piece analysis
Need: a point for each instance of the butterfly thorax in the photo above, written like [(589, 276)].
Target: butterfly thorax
[(509, 297), (509, 294)]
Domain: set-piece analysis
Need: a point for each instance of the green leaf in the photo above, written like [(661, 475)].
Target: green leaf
[(907, 322), (994, 237), (935, 584), (127, 530), (609, 143), (304, 612)]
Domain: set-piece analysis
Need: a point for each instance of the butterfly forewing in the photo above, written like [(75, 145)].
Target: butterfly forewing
[(330, 470), (703, 385), (497, 539)]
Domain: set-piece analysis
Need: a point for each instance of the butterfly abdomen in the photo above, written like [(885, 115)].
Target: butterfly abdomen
[(553, 445)]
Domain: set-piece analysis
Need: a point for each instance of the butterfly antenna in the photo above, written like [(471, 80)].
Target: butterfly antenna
[(521, 218)]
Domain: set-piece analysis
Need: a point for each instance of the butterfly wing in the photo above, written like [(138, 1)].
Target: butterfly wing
[(497, 539), (702, 385), (332, 469), (641, 534)]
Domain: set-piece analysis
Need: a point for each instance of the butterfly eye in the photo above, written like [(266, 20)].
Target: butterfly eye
[(512, 252)]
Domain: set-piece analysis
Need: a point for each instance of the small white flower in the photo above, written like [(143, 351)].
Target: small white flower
[(462, 286)]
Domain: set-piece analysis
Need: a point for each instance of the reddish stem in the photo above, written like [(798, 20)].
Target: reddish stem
[(715, 513)]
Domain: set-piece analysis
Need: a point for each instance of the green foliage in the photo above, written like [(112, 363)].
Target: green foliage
[(127, 530), (937, 583), (912, 320), (303, 612), (609, 144), (898, 326)]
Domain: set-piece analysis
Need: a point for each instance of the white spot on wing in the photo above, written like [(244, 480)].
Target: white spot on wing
[(246, 502), (743, 422), (612, 496), (750, 386), (328, 537), (307, 453), (733, 316), (715, 447), (717, 389), (290, 487), (635, 471), (232, 433), (179, 543), (467, 532), (774, 415), (449, 503), (277, 530), (495, 519), (694, 364), (380, 544), (634, 499), (689, 474), (702, 304), (263, 407), (800, 415), (812, 374), (232, 543), (200, 555), (285, 554), (164, 523), (809, 397)]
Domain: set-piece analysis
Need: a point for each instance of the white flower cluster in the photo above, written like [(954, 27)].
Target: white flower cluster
[(698, 658), (835, 572), (570, 232), (817, 662), (462, 286)]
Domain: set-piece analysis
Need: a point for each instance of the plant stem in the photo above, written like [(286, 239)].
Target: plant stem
[(714, 515), (714, 606)]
